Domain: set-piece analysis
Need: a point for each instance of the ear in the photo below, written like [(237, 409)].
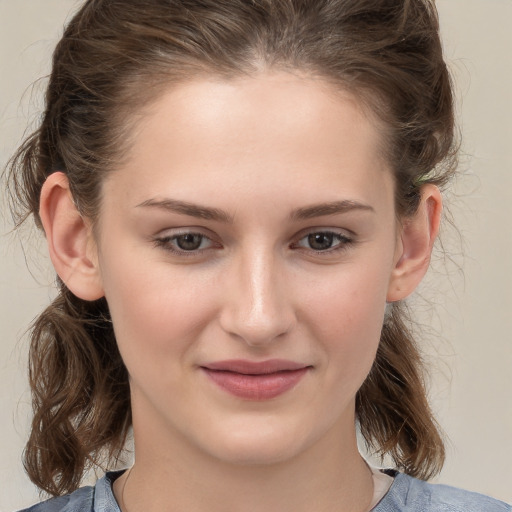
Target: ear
[(417, 237), (70, 241)]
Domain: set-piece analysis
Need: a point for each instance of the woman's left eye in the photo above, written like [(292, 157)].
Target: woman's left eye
[(323, 241), (184, 242)]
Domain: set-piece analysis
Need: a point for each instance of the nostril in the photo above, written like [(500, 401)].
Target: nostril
[(257, 310)]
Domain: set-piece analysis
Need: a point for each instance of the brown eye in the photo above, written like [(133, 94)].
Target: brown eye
[(185, 243), (320, 241), (324, 241), (189, 241)]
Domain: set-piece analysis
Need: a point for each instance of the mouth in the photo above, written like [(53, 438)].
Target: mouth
[(255, 380)]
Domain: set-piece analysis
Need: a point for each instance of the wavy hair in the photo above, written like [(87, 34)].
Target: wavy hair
[(114, 58)]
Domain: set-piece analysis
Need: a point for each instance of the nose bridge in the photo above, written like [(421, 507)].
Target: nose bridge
[(259, 309)]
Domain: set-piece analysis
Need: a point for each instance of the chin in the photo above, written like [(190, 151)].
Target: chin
[(258, 445)]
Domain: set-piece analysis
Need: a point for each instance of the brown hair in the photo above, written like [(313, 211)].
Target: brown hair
[(113, 58)]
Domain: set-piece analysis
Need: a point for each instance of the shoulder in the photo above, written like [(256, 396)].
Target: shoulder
[(99, 498), (82, 500), (409, 494)]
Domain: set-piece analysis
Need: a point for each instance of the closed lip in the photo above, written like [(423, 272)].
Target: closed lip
[(251, 380), (247, 367)]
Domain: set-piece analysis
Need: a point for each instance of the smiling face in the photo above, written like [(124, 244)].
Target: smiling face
[(252, 222)]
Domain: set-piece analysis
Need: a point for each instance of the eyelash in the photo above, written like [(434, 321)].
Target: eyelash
[(167, 243), (344, 242)]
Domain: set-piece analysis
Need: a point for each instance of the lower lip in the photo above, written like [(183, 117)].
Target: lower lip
[(256, 387)]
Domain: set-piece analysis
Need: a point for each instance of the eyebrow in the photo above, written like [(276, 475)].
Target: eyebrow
[(332, 208), (208, 213), (190, 209)]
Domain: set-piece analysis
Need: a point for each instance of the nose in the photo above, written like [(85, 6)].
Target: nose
[(257, 306)]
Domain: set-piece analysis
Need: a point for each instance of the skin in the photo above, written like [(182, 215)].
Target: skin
[(259, 151)]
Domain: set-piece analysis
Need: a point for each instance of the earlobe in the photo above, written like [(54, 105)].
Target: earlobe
[(418, 234), (69, 237)]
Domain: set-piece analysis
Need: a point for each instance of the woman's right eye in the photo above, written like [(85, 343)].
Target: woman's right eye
[(184, 243)]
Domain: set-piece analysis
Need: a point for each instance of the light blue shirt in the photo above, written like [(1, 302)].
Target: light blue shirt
[(406, 494)]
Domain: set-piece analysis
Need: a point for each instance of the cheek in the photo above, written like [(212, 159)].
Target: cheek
[(347, 314), (155, 311)]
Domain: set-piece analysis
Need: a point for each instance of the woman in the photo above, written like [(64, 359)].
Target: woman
[(236, 197)]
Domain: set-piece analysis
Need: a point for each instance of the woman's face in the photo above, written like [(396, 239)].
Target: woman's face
[(246, 248)]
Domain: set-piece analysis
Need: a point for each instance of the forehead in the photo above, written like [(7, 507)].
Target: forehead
[(259, 133), (268, 102)]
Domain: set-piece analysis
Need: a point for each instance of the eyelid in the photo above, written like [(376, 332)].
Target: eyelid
[(164, 239), (343, 232), (347, 237)]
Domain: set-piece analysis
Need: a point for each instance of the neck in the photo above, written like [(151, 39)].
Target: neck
[(328, 476)]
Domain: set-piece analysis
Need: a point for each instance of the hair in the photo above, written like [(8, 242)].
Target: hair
[(114, 58)]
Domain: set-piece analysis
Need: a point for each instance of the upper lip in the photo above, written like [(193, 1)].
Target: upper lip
[(254, 368)]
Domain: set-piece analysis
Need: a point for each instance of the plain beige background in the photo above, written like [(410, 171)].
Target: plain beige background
[(470, 341)]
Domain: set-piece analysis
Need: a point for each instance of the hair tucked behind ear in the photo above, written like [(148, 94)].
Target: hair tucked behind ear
[(392, 407), (114, 58), (80, 393)]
